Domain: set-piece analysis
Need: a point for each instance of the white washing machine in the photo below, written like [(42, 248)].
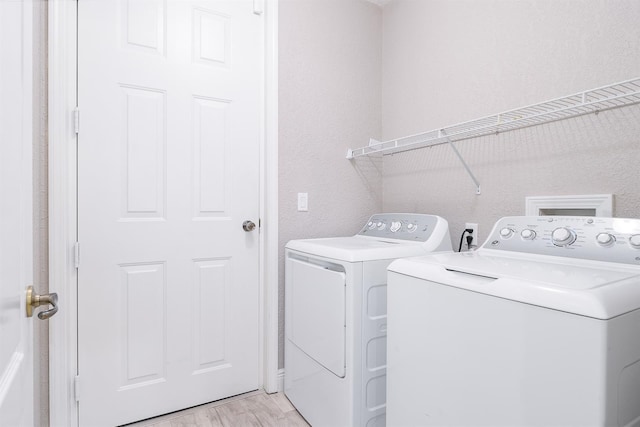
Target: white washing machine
[(539, 327), (336, 318)]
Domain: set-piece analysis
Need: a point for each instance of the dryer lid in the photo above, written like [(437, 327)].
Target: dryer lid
[(383, 237), (358, 248), (588, 288)]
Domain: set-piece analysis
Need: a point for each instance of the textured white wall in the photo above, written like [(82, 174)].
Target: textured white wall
[(329, 100), (447, 61)]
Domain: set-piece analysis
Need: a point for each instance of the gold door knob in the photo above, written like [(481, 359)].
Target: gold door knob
[(34, 300)]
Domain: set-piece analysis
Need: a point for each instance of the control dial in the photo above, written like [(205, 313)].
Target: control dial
[(371, 225), (563, 236), (506, 233), (381, 225), (411, 228), (605, 239), (634, 241), (395, 226), (528, 234)]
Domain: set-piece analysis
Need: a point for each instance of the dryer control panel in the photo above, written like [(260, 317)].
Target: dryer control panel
[(401, 226), (601, 239)]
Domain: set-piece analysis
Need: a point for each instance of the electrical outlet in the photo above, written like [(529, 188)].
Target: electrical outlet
[(472, 226), (303, 202)]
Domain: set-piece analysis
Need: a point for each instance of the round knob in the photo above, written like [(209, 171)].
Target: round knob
[(563, 236), (248, 226), (506, 233), (605, 239), (395, 226), (411, 228), (382, 226), (528, 234), (634, 241), (371, 225)]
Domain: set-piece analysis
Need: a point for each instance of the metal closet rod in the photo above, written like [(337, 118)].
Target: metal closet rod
[(591, 101)]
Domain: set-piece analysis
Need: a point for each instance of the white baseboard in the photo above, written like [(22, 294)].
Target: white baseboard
[(280, 380)]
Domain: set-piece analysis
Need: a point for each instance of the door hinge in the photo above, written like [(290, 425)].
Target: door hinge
[(76, 387), (76, 120), (258, 7), (76, 254)]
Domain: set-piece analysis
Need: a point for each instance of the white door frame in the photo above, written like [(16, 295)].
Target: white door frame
[(63, 365)]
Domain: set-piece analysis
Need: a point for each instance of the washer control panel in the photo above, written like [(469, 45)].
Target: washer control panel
[(601, 239), (402, 226)]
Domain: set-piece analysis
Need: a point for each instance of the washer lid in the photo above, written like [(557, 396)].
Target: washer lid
[(588, 288), (358, 248)]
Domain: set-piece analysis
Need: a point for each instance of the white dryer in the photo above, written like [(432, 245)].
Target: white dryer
[(336, 318), (539, 327)]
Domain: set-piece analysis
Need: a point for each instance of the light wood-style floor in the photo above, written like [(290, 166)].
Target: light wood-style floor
[(255, 409)]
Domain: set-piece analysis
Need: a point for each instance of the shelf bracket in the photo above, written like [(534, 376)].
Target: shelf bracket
[(455, 150)]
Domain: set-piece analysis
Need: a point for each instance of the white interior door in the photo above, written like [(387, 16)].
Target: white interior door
[(170, 100), (16, 330)]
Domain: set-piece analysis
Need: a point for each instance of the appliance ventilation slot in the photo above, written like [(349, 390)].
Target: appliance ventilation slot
[(590, 101)]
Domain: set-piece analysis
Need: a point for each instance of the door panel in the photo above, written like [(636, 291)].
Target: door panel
[(170, 107), (16, 330)]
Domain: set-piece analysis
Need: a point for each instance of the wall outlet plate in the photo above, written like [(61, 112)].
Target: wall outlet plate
[(303, 202), (473, 226)]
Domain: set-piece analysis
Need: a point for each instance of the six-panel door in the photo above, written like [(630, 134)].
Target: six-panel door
[(168, 170)]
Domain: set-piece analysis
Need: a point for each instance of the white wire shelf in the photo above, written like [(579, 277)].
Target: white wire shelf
[(591, 101)]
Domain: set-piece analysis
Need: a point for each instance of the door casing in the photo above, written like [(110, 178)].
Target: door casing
[(64, 390)]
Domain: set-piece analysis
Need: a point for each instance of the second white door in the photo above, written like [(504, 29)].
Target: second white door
[(16, 255), (169, 93)]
